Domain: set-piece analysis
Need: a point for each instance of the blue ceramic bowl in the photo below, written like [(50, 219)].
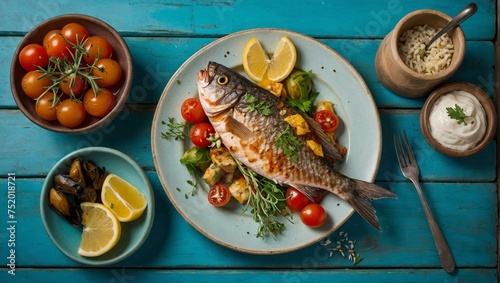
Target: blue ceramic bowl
[(67, 238)]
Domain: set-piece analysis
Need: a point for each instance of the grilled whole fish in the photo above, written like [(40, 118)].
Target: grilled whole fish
[(251, 135)]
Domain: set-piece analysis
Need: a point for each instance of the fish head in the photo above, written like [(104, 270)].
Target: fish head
[(219, 88)]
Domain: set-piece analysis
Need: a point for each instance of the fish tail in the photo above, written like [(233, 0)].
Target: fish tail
[(360, 198)]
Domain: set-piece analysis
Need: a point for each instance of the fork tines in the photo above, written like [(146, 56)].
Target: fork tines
[(404, 152)]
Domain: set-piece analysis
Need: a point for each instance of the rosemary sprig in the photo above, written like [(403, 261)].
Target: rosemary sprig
[(60, 70)]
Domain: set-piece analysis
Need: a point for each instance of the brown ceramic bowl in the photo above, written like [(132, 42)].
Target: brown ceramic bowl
[(489, 109), (392, 71), (121, 54)]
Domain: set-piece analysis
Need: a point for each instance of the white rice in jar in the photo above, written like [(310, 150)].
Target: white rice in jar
[(411, 48)]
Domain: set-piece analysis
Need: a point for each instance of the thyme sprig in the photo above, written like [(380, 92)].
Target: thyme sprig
[(175, 130), (267, 202)]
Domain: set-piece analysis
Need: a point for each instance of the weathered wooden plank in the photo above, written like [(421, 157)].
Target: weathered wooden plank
[(433, 164), (56, 275), (333, 19), (31, 150), (155, 60), (465, 212), (25, 155)]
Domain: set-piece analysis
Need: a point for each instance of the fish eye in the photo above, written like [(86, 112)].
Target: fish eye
[(222, 80)]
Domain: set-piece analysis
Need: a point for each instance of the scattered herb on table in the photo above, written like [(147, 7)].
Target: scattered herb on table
[(343, 246), (458, 114)]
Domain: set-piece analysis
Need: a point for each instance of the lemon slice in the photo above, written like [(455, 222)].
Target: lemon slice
[(283, 60), (259, 67), (123, 199), (101, 230), (255, 60)]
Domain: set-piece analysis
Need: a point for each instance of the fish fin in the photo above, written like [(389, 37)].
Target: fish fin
[(239, 129), (309, 192), (329, 150), (360, 198)]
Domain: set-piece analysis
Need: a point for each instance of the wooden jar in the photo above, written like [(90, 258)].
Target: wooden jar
[(399, 78)]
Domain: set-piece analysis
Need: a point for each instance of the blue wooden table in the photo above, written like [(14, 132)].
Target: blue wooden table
[(161, 35)]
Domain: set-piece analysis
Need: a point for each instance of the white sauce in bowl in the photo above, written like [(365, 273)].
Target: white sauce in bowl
[(447, 131)]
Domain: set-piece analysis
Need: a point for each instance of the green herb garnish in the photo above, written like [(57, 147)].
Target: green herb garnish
[(457, 113), (267, 200), (289, 143), (193, 190), (175, 130), (255, 105), (305, 104)]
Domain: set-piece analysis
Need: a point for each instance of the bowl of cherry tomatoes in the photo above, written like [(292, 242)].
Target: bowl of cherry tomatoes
[(71, 74)]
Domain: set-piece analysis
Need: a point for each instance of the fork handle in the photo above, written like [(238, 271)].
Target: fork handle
[(444, 252)]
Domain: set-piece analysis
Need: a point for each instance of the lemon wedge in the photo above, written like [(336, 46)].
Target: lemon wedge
[(101, 230), (123, 199), (259, 67)]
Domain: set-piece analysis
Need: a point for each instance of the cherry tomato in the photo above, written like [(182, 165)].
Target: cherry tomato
[(58, 47), (75, 33), (108, 71), (192, 111), (97, 48), (34, 83), (45, 107), (327, 119), (70, 113), (49, 35), (33, 56), (79, 85), (219, 195), (200, 134), (295, 200), (313, 215), (98, 105)]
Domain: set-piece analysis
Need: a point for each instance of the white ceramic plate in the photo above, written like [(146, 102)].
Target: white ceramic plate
[(335, 79)]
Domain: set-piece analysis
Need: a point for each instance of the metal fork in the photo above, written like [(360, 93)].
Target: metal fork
[(409, 168)]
